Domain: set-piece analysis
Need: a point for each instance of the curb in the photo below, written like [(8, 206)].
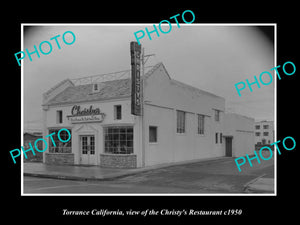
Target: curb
[(59, 177), (251, 188), (75, 178), (251, 182)]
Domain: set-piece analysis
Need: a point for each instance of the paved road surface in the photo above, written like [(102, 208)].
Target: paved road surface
[(220, 176)]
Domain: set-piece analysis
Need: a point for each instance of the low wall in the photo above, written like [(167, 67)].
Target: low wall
[(59, 158), (118, 160), (258, 147)]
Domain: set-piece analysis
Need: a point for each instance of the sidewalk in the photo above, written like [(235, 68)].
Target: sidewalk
[(84, 173), (260, 185)]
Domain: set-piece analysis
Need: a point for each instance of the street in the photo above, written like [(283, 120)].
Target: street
[(220, 176)]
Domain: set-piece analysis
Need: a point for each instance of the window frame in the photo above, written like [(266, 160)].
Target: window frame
[(114, 144), (180, 122), (200, 124), (217, 115), (59, 116), (61, 147), (155, 141), (116, 113), (265, 133)]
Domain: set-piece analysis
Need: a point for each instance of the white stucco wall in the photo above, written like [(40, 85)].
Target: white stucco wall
[(242, 130), (106, 107), (163, 97), (93, 128)]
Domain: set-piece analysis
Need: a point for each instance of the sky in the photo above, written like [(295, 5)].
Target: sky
[(209, 57)]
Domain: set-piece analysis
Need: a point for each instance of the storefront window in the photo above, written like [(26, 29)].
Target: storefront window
[(118, 140), (59, 146)]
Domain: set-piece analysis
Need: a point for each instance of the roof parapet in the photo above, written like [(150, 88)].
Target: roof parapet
[(60, 87)]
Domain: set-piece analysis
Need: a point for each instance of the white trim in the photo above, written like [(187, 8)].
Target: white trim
[(88, 102), (171, 108), (275, 109)]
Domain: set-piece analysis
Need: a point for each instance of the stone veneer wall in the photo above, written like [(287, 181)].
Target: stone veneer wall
[(118, 161), (59, 158)]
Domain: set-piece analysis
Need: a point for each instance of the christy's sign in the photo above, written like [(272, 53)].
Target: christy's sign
[(136, 98), (85, 115)]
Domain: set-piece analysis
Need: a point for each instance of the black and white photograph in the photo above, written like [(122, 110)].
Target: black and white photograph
[(132, 114), (168, 114)]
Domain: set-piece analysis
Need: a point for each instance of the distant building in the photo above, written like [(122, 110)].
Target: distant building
[(30, 137), (264, 132)]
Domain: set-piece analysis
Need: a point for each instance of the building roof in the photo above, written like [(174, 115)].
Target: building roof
[(83, 93), (196, 91), (264, 121), (33, 134), (114, 89)]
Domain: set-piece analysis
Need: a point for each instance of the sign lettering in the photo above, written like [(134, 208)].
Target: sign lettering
[(135, 51), (85, 115)]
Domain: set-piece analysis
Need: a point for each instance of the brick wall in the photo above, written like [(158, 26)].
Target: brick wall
[(118, 161), (59, 158)]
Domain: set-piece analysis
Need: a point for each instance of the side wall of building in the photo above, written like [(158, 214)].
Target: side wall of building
[(242, 130), (163, 98)]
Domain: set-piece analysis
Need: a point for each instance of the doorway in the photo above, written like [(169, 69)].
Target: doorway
[(228, 146), (87, 150)]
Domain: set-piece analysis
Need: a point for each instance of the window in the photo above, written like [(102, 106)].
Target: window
[(59, 116), (95, 87), (84, 145), (257, 127), (180, 121), (217, 115), (257, 134), (118, 140), (117, 112), (200, 124), (221, 136), (60, 147), (216, 138), (92, 145), (266, 133), (152, 134), (266, 126)]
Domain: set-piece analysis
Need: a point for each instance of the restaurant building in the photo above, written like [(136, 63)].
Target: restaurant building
[(178, 123)]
